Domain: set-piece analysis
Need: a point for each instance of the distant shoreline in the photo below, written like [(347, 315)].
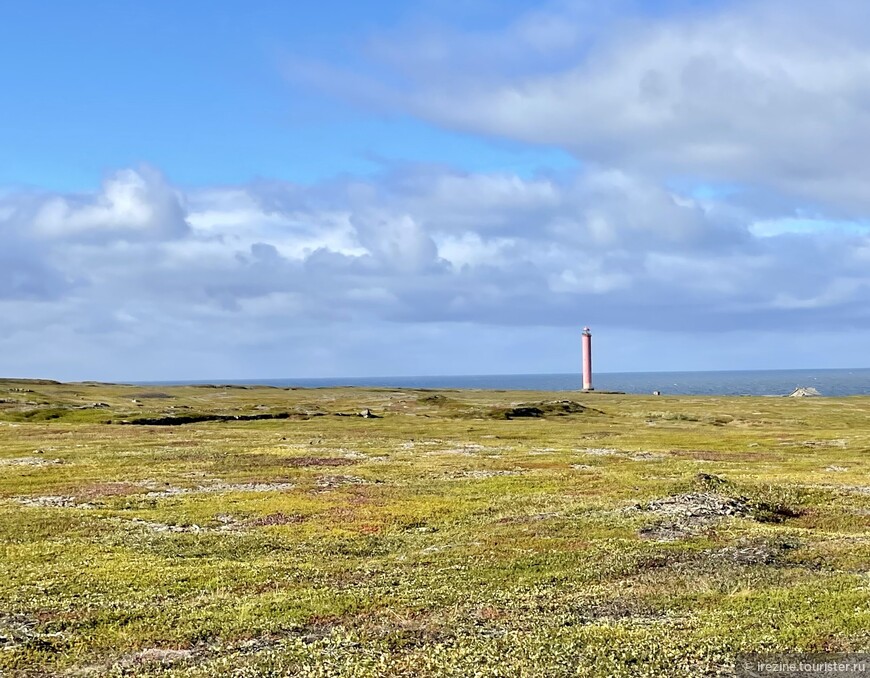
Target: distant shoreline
[(828, 382)]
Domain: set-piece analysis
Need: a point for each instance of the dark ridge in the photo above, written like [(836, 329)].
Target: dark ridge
[(433, 399), (199, 418)]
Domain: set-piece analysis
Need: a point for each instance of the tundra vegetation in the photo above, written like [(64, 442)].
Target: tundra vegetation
[(199, 531)]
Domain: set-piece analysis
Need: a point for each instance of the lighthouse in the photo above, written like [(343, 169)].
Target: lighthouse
[(587, 359)]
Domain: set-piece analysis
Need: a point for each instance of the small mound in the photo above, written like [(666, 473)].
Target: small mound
[(433, 399), (557, 408), (700, 505), (685, 515), (517, 412)]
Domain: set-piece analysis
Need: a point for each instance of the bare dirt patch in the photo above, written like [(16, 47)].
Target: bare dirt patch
[(30, 461), (225, 523), (465, 449), (220, 486), (108, 489), (149, 659), (481, 474), (599, 451), (54, 501), (329, 482), (89, 497), (248, 487), (19, 629), (161, 656)]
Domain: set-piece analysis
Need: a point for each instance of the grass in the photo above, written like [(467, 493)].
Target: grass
[(460, 533)]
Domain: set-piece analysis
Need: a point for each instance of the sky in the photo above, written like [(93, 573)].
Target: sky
[(238, 190)]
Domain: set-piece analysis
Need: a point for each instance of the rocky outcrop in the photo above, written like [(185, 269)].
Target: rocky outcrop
[(804, 392)]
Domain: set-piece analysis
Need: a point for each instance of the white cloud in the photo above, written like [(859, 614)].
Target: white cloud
[(133, 204), (602, 243), (255, 263), (770, 93), (398, 241)]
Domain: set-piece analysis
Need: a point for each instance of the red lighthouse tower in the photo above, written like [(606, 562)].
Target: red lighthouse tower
[(587, 359)]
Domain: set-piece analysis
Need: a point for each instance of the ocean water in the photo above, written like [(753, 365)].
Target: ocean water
[(839, 382)]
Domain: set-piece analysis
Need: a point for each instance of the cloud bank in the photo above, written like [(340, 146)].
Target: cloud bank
[(147, 262)]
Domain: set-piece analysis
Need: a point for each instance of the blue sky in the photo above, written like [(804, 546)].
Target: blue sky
[(202, 94), (243, 190)]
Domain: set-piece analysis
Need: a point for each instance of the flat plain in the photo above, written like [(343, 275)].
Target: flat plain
[(200, 531)]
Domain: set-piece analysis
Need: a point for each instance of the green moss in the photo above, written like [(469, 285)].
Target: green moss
[(441, 539)]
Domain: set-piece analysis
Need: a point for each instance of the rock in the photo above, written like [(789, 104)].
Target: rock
[(365, 414), (700, 505), (686, 515), (804, 392), (523, 411), (542, 409)]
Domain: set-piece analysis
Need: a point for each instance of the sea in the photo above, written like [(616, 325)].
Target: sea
[(828, 382)]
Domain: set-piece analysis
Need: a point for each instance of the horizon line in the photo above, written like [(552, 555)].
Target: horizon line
[(483, 375)]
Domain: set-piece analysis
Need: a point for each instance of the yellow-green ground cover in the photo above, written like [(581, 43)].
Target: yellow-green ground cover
[(659, 536)]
